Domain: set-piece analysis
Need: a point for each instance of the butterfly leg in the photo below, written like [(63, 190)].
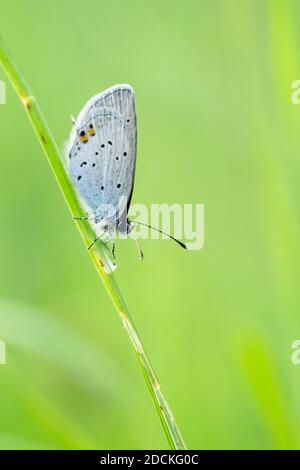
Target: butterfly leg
[(83, 218), (87, 218), (113, 250), (93, 243), (111, 245)]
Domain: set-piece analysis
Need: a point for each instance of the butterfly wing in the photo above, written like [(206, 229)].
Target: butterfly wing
[(102, 152)]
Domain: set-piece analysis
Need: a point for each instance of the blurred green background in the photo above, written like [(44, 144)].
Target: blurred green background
[(216, 126)]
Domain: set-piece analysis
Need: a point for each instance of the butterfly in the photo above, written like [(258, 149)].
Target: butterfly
[(101, 155)]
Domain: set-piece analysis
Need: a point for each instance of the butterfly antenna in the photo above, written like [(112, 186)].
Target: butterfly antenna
[(160, 231)]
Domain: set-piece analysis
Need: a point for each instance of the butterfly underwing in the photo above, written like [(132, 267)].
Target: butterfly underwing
[(101, 156)]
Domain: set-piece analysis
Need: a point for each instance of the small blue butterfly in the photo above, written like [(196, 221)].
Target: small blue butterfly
[(101, 159)]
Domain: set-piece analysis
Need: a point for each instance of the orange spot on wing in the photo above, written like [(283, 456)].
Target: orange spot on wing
[(83, 138), (92, 131)]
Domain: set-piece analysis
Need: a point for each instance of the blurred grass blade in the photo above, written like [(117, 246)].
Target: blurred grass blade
[(100, 254), (50, 339)]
